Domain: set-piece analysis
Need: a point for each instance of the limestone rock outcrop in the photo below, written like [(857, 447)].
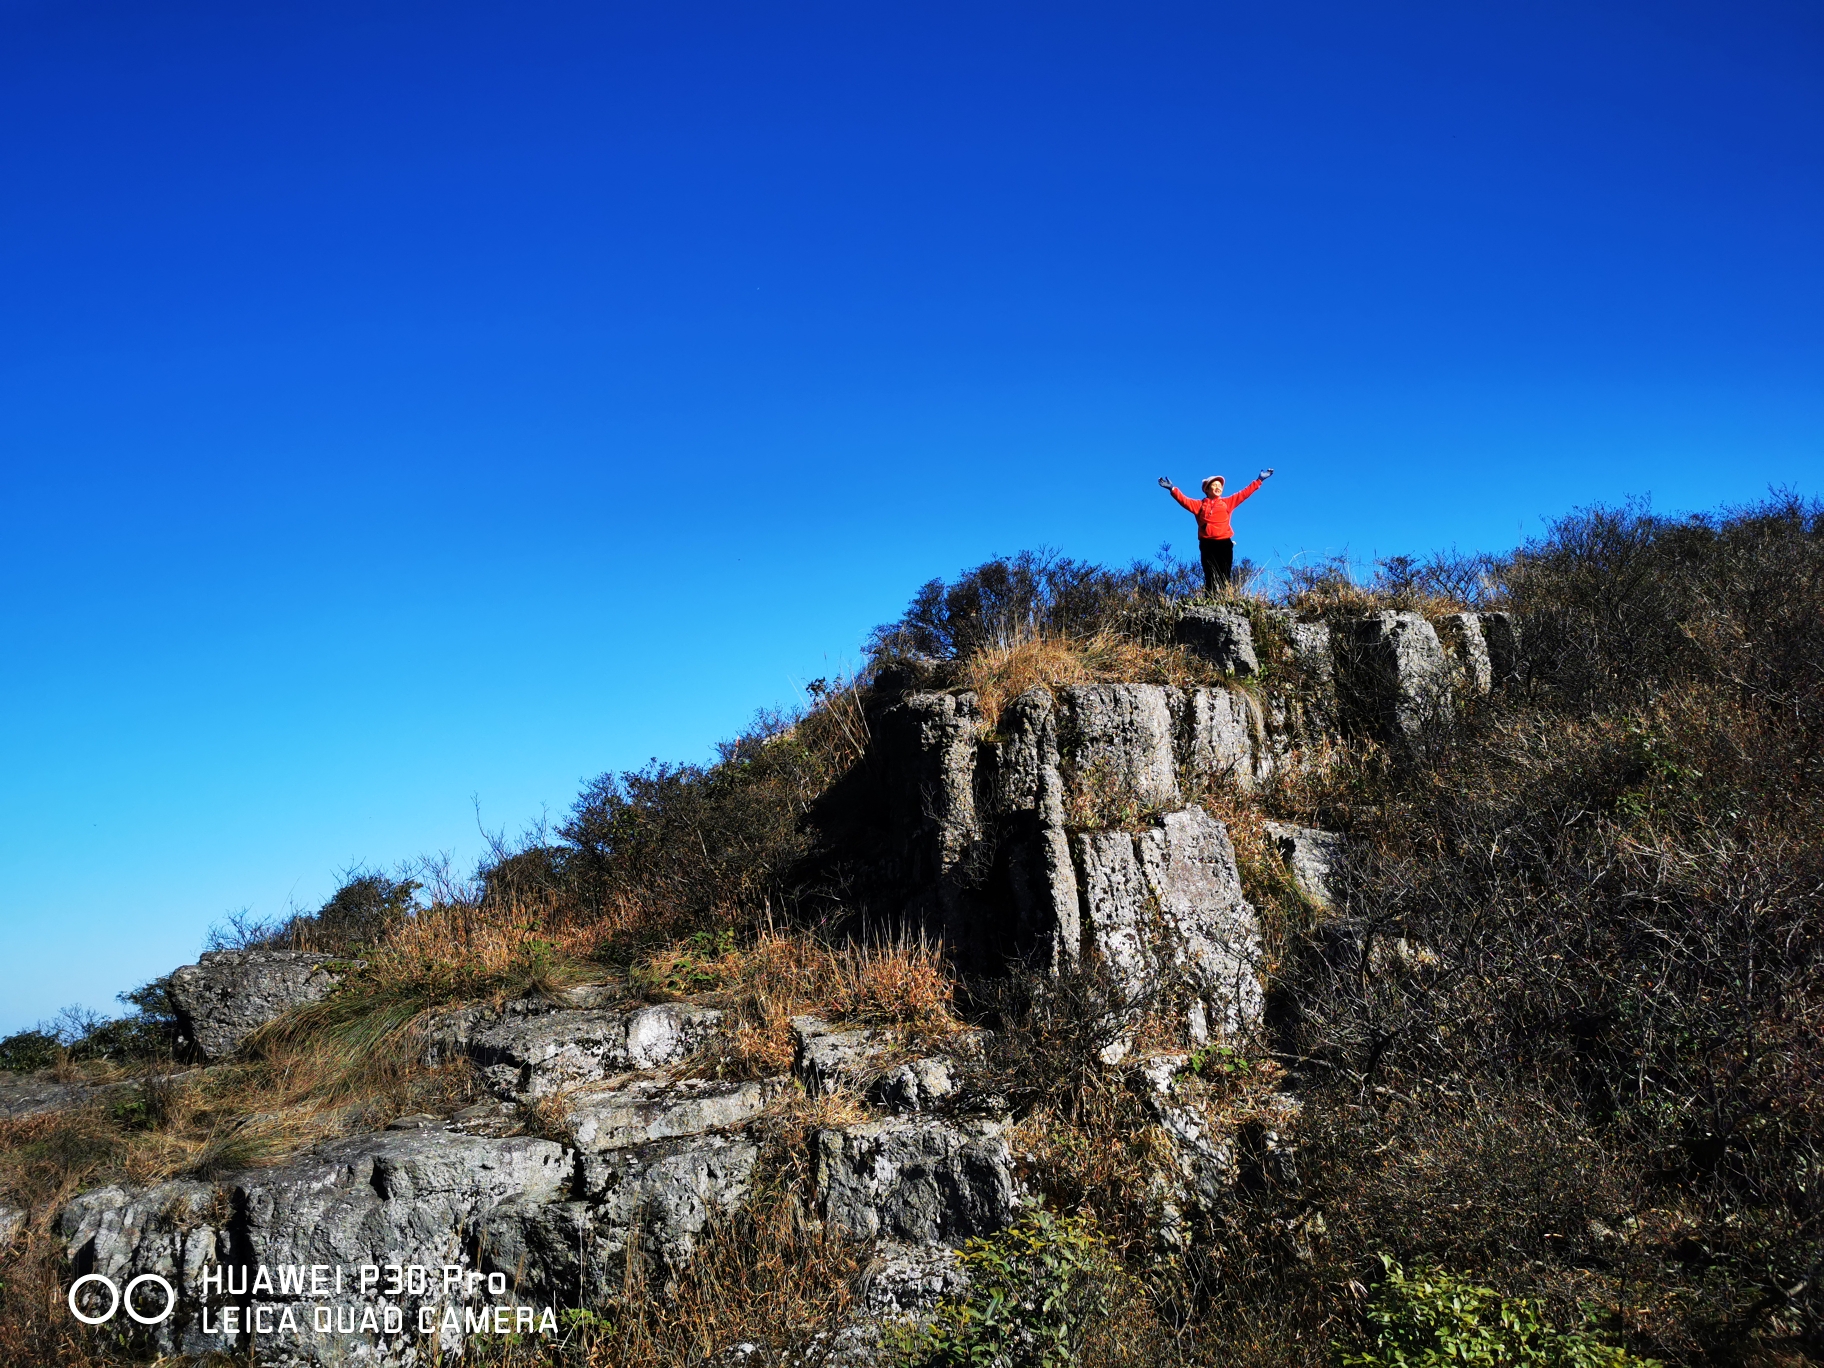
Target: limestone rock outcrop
[(1069, 830), (531, 1056), (229, 994), (1165, 906), (916, 1181)]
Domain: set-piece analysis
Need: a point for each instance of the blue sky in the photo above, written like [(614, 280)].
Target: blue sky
[(410, 411)]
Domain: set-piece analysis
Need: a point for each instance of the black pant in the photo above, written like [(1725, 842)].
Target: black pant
[(1218, 561)]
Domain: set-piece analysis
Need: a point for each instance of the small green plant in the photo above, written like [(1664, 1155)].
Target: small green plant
[(1433, 1319), (691, 968), (583, 1326), (1036, 1289), (1219, 1059)]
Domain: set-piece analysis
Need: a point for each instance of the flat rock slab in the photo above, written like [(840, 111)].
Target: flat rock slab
[(23, 1095), (227, 995), (642, 1110), (27, 1096), (534, 1056), (876, 1064)]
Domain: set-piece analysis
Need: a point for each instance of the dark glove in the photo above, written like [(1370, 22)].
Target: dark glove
[(1164, 483), (1267, 473)]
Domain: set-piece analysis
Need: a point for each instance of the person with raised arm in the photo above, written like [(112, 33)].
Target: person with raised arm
[(1215, 537)]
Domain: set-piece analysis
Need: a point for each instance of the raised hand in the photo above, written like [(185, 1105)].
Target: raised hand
[(1164, 483), (1267, 474)]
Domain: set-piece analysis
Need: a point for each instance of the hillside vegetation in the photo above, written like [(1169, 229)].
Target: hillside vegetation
[(1557, 1051)]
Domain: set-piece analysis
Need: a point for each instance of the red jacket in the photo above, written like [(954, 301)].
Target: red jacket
[(1213, 514)]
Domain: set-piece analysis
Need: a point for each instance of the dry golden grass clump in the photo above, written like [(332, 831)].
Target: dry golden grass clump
[(903, 983), (999, 674)]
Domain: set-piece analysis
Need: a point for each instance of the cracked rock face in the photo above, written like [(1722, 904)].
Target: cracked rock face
[(228, 994), (1116, 741), (1168, 902), (918, 1182), (1224, 737), (660, 1197)]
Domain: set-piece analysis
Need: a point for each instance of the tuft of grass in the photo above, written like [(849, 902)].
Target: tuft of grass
[(902, 983), (1001, 672)]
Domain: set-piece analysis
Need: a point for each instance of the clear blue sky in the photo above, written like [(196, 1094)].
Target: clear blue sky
[(410, 408)]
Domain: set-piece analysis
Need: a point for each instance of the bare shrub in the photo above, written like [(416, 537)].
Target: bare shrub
[(1011, 599)]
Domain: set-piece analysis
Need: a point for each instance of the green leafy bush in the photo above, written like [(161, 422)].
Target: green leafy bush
[(1037, 1289), (24, 1051), (1433, 1319)]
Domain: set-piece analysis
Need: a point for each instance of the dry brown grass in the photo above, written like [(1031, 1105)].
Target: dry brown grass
[(1000, 674), (900, 983)]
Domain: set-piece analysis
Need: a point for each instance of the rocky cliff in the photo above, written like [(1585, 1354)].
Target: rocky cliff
[(1067, 833)]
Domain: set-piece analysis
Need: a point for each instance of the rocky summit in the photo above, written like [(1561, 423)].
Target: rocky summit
[(1122, 979)]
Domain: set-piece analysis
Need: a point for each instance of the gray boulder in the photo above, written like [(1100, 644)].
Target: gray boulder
[(1223, 636), (657, 1198), (33, 1095), (228, 994), (916, 1182), (1312, 856), (399, 1197), (550, 1223), (1392, 673), (1311, 652), (875, 1064), (12, 1221), (911, 1280), (831, 1058)]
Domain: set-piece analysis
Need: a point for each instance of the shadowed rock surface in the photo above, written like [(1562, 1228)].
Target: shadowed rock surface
[(1312, 856), (1222, 636)]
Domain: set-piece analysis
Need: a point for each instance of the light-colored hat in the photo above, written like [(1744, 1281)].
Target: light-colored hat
[(1209, 480)]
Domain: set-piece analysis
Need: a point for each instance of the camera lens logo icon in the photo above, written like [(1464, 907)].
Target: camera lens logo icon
[(117, 1298)]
